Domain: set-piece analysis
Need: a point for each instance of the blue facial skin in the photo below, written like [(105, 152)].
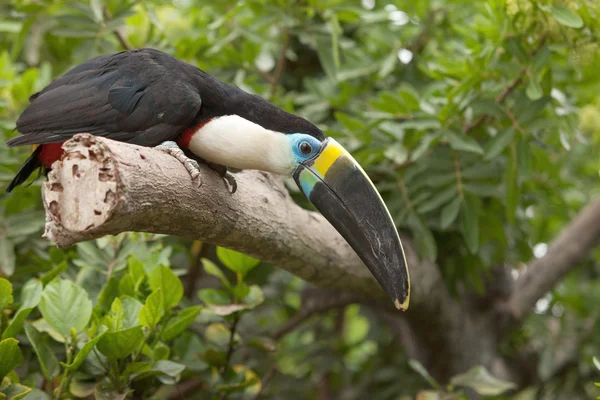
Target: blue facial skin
[(298, 141), (307, 180)]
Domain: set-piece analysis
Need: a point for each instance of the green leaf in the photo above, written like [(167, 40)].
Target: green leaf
[(6, 296), (420, 369), (136, 269), (15, 326), (168, 372), (82, 389), (567, 17), (534, 90), (254, 298), (160, 351), (470, 222), (118, 345), (127, 286), (214, 297), (10, 356), (212, 269), (388, 64), (396, 153), (153, 311), (114, 319), (106, 392), (326, 59), (463, 143), (440, 198), (131, 308), (263, 343), (236, 261), (480, 380), (450, 212), (46, 358), (31, 293), (180, 322), (350, 122), (172, 290), (423, 236), (96, 6), (169, 368), (136, 368), (596, 363), (65, 306), (356, 326), (424, 145), (7, 256), (218, 333), (15, 391), (526, 111), (37, 394), (541, 59), (83, 353), (498, 143), (515, 47), (487, 107), (109, 292), (42, 326)]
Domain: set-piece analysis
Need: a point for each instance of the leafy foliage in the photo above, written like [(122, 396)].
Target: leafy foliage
[(478, 121)]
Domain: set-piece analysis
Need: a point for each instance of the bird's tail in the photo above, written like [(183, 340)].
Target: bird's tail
[(32, 164)]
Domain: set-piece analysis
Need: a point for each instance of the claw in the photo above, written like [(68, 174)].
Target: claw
[(192, 166), (221, 170), (231, 180)]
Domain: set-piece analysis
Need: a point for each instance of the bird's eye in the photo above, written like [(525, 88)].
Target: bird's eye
[(305, 148)]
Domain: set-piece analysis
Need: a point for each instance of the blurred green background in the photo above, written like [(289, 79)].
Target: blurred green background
[(479, 122)]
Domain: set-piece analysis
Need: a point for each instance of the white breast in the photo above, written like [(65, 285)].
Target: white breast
[(236, 142)]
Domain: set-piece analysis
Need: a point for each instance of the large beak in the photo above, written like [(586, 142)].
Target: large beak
[(341, 190)]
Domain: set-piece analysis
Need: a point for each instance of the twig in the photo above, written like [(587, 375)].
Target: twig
[(501, 98), (279, 68), (231, 339), (199, 251), (418, 44), (125, 43), (514, 121), (118, 32), (234, 325), (265, 381), (316, 304), (184, 389)]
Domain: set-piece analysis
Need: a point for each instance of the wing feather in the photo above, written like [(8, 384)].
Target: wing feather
[(139, 96)]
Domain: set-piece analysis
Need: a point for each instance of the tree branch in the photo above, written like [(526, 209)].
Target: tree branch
[(316, 301), (572, 245), (102, 187)]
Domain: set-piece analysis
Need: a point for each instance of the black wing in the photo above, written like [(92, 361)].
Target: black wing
[(139, 96)]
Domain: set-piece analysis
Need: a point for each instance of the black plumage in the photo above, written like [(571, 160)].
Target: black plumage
[(144, 97)]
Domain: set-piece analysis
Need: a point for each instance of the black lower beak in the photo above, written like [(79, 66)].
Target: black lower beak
[(339, 188)]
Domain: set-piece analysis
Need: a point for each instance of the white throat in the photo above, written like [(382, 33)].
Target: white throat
[(235, 142)]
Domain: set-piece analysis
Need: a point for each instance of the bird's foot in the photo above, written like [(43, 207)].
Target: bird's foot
[(224, 174), (190, 165)]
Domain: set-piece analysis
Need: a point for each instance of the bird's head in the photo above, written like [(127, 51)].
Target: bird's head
[(329, 177)]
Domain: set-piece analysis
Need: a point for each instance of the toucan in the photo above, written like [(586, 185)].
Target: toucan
[(149, 98)]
